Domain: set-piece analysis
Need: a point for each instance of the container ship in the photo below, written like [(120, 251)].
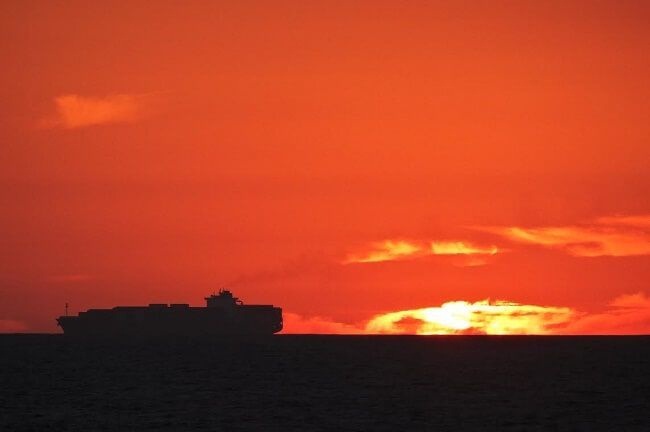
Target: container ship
[(223, 315)]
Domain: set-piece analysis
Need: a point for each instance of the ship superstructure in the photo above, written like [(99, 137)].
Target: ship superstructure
[(224, 314)]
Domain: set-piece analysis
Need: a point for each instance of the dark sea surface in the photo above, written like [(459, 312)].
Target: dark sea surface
[(337, 383)]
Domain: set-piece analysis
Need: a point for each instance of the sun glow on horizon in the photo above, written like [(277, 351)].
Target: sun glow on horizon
[(481, 317), (625, 314)]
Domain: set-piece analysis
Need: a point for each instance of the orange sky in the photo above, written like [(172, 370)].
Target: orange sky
[(340, 159)]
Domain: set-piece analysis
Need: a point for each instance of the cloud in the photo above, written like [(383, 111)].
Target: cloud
[(607, 236), (12, 326), (396, 250), (604, 236), (634, 301), (626, 315), (75, 111)]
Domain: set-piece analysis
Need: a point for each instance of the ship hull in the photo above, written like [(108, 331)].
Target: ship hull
[(170, 323)]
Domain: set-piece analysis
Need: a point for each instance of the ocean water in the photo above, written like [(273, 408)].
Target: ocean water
[(329, 383)]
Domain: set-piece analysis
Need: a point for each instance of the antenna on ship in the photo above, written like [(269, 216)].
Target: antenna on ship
[(66, 309)]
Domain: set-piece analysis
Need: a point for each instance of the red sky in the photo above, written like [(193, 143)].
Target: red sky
[(339, 159)]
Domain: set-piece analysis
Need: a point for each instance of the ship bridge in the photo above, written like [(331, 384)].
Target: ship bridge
[(223, 299)]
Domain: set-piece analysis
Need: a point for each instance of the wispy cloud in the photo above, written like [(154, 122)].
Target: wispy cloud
[(75, 111), (627, 314), (387, 250), (395, 250), (461, 248), (634, 301), (607, 236)]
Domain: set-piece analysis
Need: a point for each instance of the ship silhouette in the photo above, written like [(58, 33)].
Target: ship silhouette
[(223, 315)]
